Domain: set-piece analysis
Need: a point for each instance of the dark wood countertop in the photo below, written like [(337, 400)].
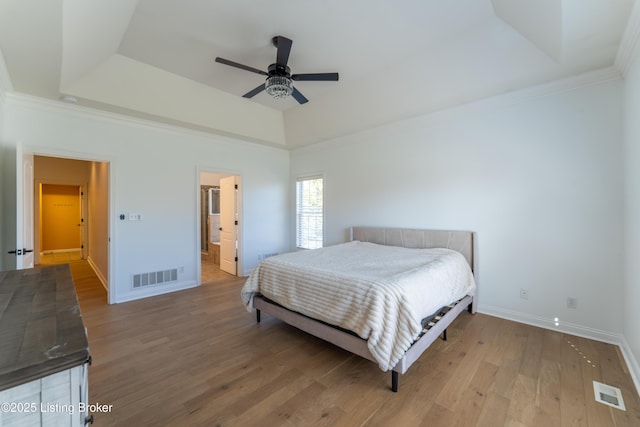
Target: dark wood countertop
[(41, 327)]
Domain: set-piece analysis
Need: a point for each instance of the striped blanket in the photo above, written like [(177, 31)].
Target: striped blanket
[(379, 292)]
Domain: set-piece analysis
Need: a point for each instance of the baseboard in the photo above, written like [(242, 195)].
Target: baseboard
[(546, 323), (59, 251), (632, 363), (103, 280), (155, 291), (573, 329)]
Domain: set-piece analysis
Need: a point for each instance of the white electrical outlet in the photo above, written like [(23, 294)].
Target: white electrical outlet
[(524, 294)]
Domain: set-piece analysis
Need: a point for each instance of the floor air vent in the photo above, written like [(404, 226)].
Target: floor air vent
[(608, 395), (143, 280)]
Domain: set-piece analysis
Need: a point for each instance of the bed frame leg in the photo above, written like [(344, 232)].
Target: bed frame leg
[(257, 316), (444, 335), (394, 381), (470, 308)]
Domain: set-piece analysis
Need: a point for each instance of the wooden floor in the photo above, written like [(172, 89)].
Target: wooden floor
[(49, 258), (211, 271), (196, 357)]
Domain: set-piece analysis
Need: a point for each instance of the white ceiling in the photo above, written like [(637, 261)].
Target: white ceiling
[(155, 58)]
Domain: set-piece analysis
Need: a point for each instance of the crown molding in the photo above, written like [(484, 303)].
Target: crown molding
[(90, 113), (495, 102), (503, 100), (629, 45)]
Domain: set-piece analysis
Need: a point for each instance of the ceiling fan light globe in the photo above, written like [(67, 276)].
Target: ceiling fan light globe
[(279, 87)]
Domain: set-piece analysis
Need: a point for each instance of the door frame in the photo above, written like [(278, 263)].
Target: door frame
[(72, 155), (24, 208), (239, 202)]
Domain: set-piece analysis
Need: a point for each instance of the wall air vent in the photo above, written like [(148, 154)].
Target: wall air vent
[(143, 280)]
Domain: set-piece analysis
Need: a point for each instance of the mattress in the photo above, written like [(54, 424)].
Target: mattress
[(379, 292)]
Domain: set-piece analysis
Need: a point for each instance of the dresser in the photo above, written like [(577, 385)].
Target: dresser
[(44, 351)]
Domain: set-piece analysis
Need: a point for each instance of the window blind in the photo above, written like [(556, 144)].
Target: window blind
[(309, 213)]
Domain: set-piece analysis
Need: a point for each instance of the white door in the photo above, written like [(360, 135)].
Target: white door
[(24, 208), (61, 220), (83, 224), (228, 225)]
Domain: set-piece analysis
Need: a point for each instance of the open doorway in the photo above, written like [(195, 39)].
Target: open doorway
[(71, 213), (219, 226)]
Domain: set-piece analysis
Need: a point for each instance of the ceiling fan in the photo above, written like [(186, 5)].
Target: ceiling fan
[(279, 81)]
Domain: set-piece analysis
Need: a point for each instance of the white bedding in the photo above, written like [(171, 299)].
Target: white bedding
[(379, 292)]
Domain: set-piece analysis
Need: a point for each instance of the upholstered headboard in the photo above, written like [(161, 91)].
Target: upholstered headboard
[(464, 242)]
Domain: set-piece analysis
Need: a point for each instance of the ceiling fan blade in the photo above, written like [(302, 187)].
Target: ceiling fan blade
[(254, 92), (284, 48), (299, 97), (325, 77), (243, 67)]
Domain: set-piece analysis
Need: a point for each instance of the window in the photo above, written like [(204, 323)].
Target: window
[(214, 200), (309, 213)]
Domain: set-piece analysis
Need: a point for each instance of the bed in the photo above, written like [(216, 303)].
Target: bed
[(368, 296)]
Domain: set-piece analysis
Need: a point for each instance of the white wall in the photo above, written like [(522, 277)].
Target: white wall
[(154, 171), (540, 181), (631, 292), (3, 224)]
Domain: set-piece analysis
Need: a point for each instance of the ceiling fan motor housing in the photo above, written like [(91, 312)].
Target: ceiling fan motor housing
[(279, 70)]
